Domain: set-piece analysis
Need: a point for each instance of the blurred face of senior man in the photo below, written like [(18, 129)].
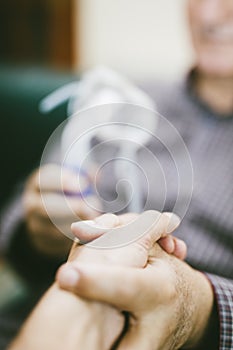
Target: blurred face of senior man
[(211, 26)]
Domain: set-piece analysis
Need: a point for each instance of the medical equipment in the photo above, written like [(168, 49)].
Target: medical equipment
[(106, 106)]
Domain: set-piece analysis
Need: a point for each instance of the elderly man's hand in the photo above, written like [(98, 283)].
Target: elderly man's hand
[(46, 204)]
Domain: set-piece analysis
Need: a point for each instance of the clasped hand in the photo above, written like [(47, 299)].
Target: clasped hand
[(168, 304)]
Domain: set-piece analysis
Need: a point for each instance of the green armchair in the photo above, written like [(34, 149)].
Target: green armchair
[(24, 129)]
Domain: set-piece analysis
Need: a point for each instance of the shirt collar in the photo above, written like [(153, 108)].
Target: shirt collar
[(190, 88)]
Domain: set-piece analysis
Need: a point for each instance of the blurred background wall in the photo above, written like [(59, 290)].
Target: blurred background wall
[(143, 39)]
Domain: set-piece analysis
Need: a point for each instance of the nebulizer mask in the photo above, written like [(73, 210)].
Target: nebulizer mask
[(106, 107)]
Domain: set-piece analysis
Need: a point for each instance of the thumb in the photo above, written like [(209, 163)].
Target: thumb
[(115, 285)]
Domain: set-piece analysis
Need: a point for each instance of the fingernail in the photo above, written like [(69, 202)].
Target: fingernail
[(68, 277), (171, 245), (88, 226), (174, 222), (81, 224), (107, 221)]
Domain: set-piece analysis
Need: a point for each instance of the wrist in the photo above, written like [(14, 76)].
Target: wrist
[(76, 323), (204, 305), (94, 325)]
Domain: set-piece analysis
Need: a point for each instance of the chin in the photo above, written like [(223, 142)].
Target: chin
[(221, 67)]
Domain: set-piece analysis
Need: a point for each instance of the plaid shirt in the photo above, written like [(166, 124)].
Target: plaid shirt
[(223, 290), (208, 225)]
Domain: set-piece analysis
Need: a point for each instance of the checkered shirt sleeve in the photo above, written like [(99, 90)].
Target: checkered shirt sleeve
[(223, 290)]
